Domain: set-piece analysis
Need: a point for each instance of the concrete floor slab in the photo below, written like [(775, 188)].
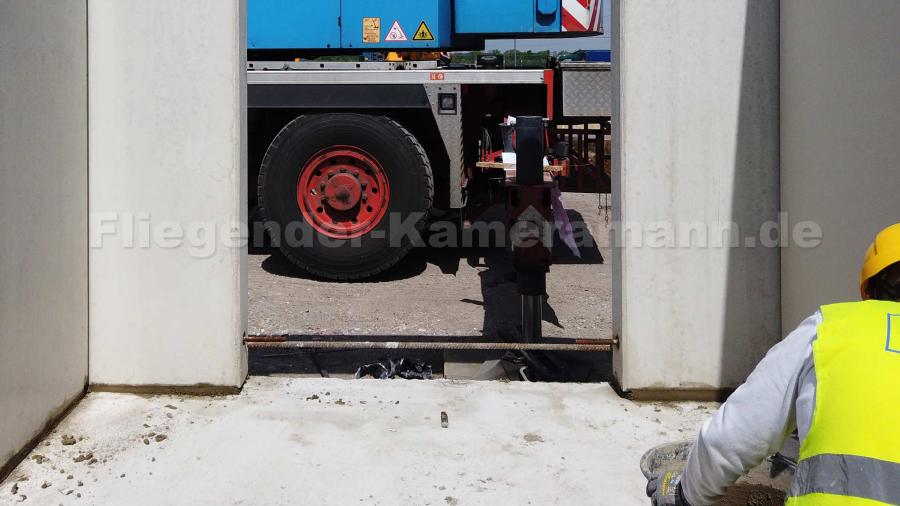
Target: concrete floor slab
[(300, 441)]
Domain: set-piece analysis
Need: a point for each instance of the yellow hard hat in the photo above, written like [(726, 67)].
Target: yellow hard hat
[(883, 253)]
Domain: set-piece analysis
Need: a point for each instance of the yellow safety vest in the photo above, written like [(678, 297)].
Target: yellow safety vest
[(851, 455)]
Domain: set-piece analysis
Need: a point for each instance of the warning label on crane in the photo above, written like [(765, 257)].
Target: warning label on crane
[(371, 30), (423, 32), (396, 33)]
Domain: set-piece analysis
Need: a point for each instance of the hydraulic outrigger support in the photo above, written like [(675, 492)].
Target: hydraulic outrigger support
[(530, 220)]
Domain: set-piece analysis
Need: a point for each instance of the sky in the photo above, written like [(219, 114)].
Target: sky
[(599, 42)]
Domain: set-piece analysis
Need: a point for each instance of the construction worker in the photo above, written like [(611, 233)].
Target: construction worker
[(836, 380)]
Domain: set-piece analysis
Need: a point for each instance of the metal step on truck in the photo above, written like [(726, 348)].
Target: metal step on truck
[(362, 128)]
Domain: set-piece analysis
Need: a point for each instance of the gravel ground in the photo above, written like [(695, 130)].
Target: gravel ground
[(433, 293)]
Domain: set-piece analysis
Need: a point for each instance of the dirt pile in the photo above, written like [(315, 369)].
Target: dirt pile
[(752, 495)]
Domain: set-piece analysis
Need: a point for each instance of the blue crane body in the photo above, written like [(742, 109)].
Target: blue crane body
[(353, 25), (344, 151)]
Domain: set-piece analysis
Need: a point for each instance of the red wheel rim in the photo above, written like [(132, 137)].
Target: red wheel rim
[(343, 192)]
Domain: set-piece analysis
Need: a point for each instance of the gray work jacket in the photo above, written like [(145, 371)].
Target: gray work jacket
[(778, 397)]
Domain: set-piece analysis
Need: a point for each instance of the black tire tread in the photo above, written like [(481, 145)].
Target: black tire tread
[(400, 253)]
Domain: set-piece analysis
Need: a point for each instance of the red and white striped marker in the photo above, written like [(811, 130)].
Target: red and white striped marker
[(581, 16)]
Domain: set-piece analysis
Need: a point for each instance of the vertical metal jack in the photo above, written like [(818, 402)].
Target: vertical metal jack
[(530, 218)]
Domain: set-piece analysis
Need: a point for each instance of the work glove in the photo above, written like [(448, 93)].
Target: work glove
[(664, 488)]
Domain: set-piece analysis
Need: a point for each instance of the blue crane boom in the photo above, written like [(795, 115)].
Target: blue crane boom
[(378, 25)]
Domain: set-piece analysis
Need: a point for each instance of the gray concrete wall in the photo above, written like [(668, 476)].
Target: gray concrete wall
[(167, 158), (43, 215), (840, 117), (696, 148)]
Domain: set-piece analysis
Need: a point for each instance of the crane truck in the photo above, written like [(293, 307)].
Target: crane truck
[(361, 126)]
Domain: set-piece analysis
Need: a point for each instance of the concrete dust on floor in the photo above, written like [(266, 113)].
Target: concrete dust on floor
[(326, 441), (439, 292)]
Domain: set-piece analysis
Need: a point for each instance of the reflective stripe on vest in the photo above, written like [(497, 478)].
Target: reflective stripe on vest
[(851, 454), (848, 475)]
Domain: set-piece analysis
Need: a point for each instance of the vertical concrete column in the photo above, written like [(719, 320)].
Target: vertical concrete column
[(840, 114), (167, 183), (43, 216), (695, 170)]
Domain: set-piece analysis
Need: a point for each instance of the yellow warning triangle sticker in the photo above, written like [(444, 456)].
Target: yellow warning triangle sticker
[(423, 32)]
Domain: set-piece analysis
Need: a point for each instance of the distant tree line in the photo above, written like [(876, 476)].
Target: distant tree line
[(522, 59), (535, 59)]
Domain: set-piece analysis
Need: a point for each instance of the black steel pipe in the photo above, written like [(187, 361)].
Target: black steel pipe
[(532, 318)]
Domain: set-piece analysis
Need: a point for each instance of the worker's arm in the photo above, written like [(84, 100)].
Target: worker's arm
[(755, 421)]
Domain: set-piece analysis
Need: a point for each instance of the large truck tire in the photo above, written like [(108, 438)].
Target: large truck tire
[(332, 185)]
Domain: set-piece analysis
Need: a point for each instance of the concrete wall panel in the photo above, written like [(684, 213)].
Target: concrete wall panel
[(840, 114), (167, 149), (695, 149), (43, 214)]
